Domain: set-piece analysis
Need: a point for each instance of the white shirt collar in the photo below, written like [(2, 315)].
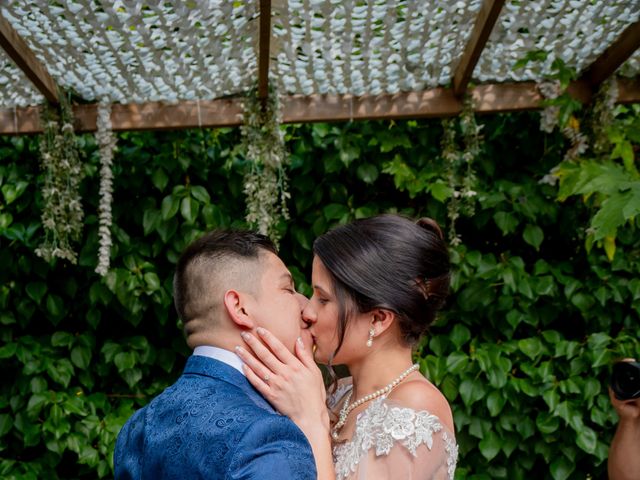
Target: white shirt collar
[(225, 356)]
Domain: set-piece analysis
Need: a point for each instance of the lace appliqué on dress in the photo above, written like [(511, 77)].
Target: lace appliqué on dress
[(452, 453), (381, 426)]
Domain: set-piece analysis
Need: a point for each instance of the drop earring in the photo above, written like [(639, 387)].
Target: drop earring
[(372, 332)]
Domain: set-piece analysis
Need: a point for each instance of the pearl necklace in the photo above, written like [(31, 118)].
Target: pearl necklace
[(348, 407)]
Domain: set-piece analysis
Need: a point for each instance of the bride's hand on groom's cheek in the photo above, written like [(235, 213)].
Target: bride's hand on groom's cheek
[(292, 384)]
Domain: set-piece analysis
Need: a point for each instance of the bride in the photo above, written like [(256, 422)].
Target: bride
[(377, 285)]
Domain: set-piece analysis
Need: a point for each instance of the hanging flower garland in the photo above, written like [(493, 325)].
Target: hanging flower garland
[(107, 144), (551, 91), (602, 115), (265, 184), (461, 175), (62, 208)]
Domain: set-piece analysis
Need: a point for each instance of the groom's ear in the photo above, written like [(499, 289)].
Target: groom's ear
[(236, 305)]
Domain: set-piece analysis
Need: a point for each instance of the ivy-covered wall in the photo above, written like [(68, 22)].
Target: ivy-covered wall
[(522, 351)]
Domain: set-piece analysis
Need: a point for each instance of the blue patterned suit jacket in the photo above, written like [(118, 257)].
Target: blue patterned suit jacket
[(211, 424)]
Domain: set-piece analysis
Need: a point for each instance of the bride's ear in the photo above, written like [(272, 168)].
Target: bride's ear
[(381, 320), (236, 305)]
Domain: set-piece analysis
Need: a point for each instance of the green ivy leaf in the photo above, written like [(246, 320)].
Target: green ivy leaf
[(587, 439), (506, 222), (166, 230), (552, 398), (583, 301), (61, 371), (12, 192), (531, 347), (367, 172), (547, 423), (169, 207), (36, 403), (150, 220), (440, 191), (302, 236), (213, 216), (160, 179), (88, 455), (457, 362), (38, 385), (533, 235), (93, 318), (125, 361), (132, 376), (490, 445), (55, 307), (562, 468), (9, 193), (5, 221), (200, 193), (460, 335), (8, 350), (189, 209), (81, 356), (6, 423), (152, 280), (495, 402), (61, 339), (335, 211), (471, 391), (36, 290), (475, 295)]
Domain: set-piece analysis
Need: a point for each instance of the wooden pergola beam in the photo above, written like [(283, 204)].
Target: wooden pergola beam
[(24, 58), (264, 48), (433, 103), (614, 56), (485, 21)]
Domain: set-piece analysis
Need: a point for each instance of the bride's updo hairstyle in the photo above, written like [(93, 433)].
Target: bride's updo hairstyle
[(390, 262)]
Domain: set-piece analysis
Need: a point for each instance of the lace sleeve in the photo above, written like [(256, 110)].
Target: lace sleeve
[(395, 442)]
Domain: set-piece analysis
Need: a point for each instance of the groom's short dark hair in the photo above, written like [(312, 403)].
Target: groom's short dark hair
[(216, 257)]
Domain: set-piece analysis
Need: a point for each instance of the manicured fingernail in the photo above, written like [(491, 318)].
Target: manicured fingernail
[(238, 349), (245, 335), (301, 343), (261, 330)]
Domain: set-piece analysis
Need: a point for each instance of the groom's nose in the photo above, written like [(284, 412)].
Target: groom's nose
[(308, 315)]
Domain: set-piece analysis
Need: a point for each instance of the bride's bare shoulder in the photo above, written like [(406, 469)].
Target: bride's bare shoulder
[(420, 394)]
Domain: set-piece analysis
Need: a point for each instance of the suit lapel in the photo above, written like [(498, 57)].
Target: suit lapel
[(209, 367)]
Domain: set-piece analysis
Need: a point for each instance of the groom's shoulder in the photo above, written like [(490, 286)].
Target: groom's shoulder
[(207, 425)]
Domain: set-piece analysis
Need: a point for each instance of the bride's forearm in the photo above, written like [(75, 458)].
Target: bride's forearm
[(319, 438), (321, 445)]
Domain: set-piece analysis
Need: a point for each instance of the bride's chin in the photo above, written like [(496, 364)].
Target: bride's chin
[(317, 355)]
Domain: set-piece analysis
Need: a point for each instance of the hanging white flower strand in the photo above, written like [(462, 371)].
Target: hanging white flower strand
[(107, 144), (265, 185), (602, 115), (550, 118), (461, 175), (62, 210)]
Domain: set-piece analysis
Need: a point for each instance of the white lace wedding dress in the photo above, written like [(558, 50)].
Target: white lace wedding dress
[(394, 442)]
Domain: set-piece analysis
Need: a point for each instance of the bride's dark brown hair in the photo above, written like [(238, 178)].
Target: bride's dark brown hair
[(390, 262)]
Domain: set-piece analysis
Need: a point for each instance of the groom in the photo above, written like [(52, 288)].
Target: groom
[(211, 423)]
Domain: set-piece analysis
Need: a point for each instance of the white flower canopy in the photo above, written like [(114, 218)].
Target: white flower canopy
[(172, 64)]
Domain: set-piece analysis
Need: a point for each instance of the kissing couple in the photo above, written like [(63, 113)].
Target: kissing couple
[(251, 402)]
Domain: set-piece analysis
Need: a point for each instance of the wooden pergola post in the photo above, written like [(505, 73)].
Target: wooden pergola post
[(485, 21), (614, 56), (264, 49)]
